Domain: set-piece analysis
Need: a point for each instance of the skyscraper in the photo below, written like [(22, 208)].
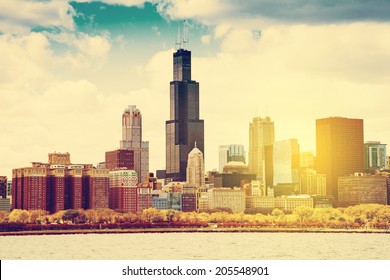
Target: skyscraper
[(261, 135), (374, 156), (132, 139), (184, 127), (195, 169), (340, 149), (232, 152), (286, 161)]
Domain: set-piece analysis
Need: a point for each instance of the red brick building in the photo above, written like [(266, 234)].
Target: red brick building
[(121, 158), (59, 185), (123, 190)]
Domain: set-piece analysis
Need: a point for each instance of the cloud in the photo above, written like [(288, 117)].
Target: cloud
[(155, 30), (205, 39), (215, 12), (19, 16), (130, 3)]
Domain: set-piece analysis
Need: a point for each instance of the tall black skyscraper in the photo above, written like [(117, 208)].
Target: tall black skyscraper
[(184, 127)]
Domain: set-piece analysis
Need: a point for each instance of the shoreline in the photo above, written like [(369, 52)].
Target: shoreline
[(192, 230)]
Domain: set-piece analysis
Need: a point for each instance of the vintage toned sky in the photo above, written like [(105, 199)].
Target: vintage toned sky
[(68, 69)]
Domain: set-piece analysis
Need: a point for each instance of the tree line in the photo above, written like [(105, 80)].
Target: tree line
[(359, 216)]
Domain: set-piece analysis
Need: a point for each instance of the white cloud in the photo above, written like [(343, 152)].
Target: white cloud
[(19, 16), (205, 39), (203, 10), (118, 2)]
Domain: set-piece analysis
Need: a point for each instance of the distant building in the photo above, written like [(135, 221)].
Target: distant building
[(195, 169), (307, 160), (265, 202), (362, 189), (232, 152), (286, 167), (340, 149), (203, 202), (235, 174), (184, 126), (144, 197), (160, 200), (5, 204), (123, 190), (74, 187), (312, 183), (119, 159), (289, 203), (3, 186), (9, 187), (374, 156), (189, 198), (232, 198), (95, 188), (261, 134), (132, 140), (59, 185)]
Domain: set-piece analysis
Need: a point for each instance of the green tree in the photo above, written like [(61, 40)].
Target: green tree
[(303, 213)]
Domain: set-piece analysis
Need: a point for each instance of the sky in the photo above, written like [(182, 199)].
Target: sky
[(69, 68)]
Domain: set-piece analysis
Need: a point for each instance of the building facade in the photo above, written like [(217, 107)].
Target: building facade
[(340, 149), (59, 185), (119, 159), (184, 126), (232, 152), (3, 187), (362, 189), (261, 135), (195, 169), (232, 198), (286, 162), (123, 190), (132, 140), (312, 183), (374, 156)]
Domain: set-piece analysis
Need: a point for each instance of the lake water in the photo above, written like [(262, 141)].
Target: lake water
[(198, 246)]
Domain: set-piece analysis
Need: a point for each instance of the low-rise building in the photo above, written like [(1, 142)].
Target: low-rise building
[(233, 198), (362, 188)]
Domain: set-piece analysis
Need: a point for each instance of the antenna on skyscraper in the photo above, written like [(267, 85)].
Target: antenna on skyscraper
[(178, 41), (185, 39)]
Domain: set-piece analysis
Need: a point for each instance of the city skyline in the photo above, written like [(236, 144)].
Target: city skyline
[(65, 70)]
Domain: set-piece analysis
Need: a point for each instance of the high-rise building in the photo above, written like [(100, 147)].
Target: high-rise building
[(232, 152), (286, 161), (184, 126), (374, 156), (223, 156), (340, 149), (59, 185), (286, 167), (195, 169), (95, 189), (307, 160), (119, 159), (261, 135), (132, 140)]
